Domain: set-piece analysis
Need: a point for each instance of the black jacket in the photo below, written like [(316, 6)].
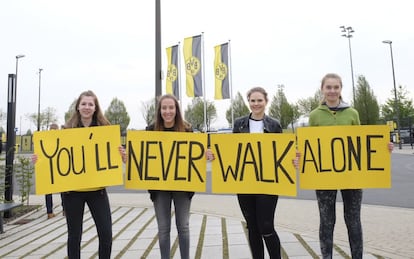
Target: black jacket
[(270, 125)]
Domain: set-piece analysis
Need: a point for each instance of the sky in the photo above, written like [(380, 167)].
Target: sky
[(108, 47)]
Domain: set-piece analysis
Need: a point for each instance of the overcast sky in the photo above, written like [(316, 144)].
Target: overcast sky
[(109, 47)]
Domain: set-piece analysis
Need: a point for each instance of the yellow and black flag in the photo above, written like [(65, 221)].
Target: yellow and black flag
[(193, 71), (173, 72), (221, 71)]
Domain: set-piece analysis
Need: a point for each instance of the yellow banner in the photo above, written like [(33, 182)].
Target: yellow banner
[(344, 157), (166, 161), (79, 158), (254, 163)]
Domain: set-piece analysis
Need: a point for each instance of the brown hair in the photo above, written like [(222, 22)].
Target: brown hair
[(179, 123), (98, 117), (54, 126), (257, 89)]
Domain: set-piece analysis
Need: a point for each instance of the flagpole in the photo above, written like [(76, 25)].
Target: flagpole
[(202, 80), (231, 87), (179, 76), (158, 69)]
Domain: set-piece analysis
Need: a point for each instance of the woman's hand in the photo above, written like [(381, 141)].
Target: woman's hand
[(295, 161), (390, 146), (122, 152), (34, 158), (209, 155)]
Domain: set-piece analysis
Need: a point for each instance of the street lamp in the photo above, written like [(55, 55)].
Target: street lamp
[(17, 65), (397, 107), (38, 103), (347, 33)]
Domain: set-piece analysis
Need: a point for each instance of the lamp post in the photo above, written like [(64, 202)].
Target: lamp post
[(38, 104), (397, 107), (17, 66), (347, 33)]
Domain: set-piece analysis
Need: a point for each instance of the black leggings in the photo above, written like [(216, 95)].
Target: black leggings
[(259, 213), (352, 213), (98, 204)]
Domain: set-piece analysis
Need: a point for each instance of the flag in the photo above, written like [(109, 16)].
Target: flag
[(172, 83), (221, 71), (193, 71)]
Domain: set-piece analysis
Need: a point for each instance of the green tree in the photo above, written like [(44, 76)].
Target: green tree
[(306, 105), (47, 116), (71, 110), (239, 108), (148, 111), (3, 117), (280, 108), (194, 114), (295, 114), (366, 103), (118, 115), (405, 105)]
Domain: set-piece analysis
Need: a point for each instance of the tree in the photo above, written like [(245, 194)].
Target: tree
[(71, 110), (306, 105), (194, 114), (366, 103), (405, 106), (239, 108), (47, 116), (280, 108), (148, 111), (118, 115), (3, 116)]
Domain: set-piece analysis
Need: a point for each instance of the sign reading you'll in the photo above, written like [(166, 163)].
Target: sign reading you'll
[(78, 158), (344, 157), (254, 163), (166, 161)]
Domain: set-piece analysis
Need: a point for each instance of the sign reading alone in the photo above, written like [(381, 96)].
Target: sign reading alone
[(78, 158), (344, 157)]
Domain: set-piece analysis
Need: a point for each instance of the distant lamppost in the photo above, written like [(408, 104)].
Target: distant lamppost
[(38, 104), (397, 107), (347, 33), (17, 66)]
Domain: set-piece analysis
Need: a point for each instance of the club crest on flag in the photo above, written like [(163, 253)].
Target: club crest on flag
[(221, 71), (192, 65), (172, 73)]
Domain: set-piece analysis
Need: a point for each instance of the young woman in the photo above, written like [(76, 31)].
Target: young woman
[(168, 117), (334, 111), (259, 209), (88, 114)]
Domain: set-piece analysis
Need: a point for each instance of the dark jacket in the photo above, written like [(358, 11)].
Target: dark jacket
[(153, 193), (270, 125)]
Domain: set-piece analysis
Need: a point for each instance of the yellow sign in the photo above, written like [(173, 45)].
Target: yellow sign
[(344, 157), (254, 163), (166, 161), (79, 158)]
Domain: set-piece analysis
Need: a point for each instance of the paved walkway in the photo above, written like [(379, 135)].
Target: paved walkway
[(217, 230)]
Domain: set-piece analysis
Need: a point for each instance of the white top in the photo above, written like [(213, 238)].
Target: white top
[(256, 126)]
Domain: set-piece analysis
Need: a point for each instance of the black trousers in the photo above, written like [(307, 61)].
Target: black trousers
[(259, 212), (352, 212), (98, 204)]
